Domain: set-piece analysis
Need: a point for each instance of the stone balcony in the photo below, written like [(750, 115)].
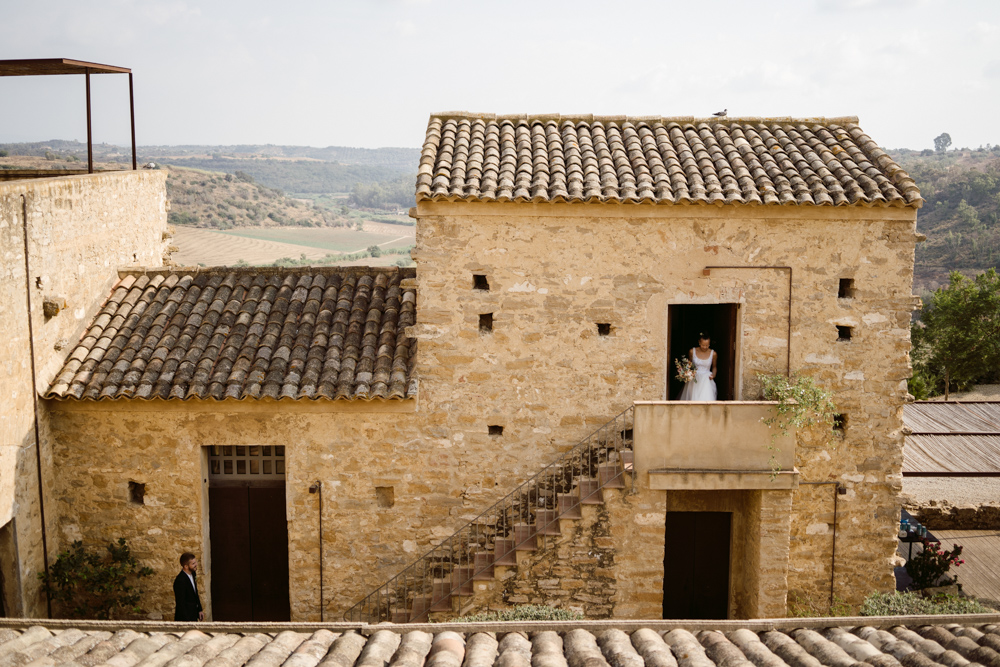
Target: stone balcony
[(694, 446)]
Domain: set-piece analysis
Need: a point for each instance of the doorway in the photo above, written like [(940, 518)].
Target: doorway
[(717, 320), (248, 533), (696, 576)]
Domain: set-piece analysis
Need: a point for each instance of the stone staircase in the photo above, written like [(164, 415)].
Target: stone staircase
[(523, 523)]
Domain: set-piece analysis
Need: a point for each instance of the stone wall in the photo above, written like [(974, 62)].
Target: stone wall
[(548, 378), (574, 570), (80, 229), (957, 517), (546, 375)]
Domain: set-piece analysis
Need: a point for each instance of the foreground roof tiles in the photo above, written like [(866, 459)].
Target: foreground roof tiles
[(335, 333), (588, 646), (618, 159)]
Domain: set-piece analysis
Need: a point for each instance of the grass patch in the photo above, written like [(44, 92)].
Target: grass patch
[(528, 612)]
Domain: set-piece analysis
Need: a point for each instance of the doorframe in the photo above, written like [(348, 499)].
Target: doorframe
[(206, 536), (737, 346), (206, 528)]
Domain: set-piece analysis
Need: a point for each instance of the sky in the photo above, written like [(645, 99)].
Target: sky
[(368, 73)]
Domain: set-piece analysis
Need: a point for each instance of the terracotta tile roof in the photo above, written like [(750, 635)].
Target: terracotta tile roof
[(335, 333), (553, 158), (869, 641)]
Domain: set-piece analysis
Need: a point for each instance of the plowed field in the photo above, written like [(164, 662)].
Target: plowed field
[(264, 245)]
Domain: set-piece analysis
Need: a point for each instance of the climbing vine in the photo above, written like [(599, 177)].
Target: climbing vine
[(800, 404)]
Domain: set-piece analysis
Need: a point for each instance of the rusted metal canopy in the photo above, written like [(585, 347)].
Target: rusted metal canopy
[(44, 66), (48, 66)]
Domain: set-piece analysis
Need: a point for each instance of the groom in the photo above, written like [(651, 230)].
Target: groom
[(186, 598)]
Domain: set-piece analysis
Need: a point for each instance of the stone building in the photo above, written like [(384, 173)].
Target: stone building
[(517, 386)]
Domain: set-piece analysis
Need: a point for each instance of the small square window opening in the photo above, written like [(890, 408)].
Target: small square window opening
[(480, 282), (486, 323), (840, 423), (843, 333), (385, 496), (137, 493), (846, 290), (603, 328), (495, 429)]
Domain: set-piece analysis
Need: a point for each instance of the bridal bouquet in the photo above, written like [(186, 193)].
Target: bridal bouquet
[(685, 370)]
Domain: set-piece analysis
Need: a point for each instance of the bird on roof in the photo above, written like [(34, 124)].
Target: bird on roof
[(720, 114)]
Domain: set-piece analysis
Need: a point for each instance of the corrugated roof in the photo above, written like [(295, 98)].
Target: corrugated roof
[(949, 454), (335, 333), (922, 642), (952, 438), (621, 159), (964, 417)]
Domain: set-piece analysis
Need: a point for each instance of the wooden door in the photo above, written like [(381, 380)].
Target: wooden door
[(249, 537), (229, 532), (724, 326), (268, 553), (696, 565)]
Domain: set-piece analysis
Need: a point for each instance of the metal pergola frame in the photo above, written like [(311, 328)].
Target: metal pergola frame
[(52, 66)]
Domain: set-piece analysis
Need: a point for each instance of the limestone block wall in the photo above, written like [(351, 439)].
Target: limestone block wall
[(546, 375), (79, 229)]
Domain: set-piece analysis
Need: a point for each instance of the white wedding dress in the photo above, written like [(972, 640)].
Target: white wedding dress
[(703, 386)]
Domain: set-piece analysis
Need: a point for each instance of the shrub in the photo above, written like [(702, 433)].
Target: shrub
[(528, 612), (85, 584), (375, 251), (803, 606), (931, 564), (907, 604)]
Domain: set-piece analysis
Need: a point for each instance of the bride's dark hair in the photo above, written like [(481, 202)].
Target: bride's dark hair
[(703, 336)]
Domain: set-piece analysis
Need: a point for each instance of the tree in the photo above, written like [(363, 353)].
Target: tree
[(375, 251), (84, 584), (957, 340), (941, 142)]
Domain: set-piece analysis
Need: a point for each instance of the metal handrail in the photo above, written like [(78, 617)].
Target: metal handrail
[(452, 565)]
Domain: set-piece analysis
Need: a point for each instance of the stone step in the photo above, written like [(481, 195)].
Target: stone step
[(400, 616), (419, 608), (547, 522), (503, 552), (483, 562), (524, 537), (569, 506), (610, 476), (461, 580), (441, 595), (590, 491)]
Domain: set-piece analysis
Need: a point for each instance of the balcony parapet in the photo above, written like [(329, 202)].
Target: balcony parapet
[(686, 445)]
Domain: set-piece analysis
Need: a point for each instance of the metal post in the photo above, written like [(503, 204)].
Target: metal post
[(34, 405), (90, 136), (317, 487), (131, 109)]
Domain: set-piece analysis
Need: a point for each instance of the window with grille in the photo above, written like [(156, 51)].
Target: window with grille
[(246, 462)]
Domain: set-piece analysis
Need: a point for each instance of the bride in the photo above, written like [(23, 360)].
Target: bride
[(703, 387)]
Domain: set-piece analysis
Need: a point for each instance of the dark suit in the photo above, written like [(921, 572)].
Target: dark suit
[(188, 604)]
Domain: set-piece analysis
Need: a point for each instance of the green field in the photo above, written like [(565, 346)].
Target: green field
[(334, 240)]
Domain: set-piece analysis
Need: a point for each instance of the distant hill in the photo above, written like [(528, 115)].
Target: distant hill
[(401, 159), (961, 216), (293, 169), (223, 201), (961, 212)]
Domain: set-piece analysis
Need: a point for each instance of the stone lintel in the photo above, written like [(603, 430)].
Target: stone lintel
[(715, 480)]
